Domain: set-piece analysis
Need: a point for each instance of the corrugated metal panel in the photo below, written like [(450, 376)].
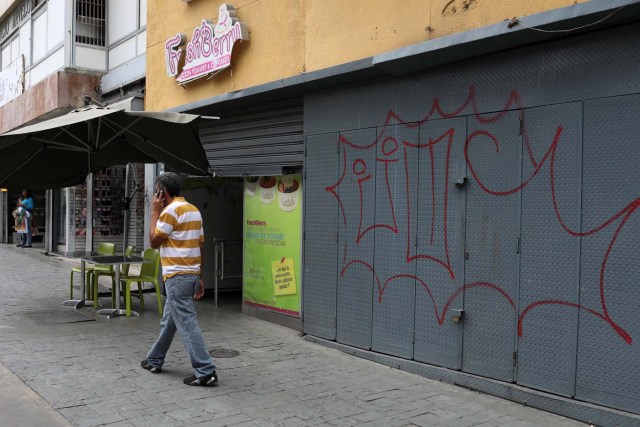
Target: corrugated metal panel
[(255, 140), (439, 240), (522, 231), (321, 247), (356, 190), (608, 344), (550, 257), (393, 307), (491, 240)]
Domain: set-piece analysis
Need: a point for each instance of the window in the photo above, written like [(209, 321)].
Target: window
[(39, 36), (15, 49), (90, 22), (143, 13), (6, 56), (123, 15), (10, 52)]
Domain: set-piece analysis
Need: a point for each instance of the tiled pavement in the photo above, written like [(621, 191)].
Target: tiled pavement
[(89, 372)]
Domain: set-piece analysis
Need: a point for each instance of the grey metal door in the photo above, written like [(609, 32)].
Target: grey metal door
[(356, 190), (393, 316), (437, 246), (550, 249), (320, 244), (493, 153), (609, 332)]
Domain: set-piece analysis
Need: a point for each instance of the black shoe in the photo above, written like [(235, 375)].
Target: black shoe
[(27, 246), (20, 245), (206, 381), (146, 365)]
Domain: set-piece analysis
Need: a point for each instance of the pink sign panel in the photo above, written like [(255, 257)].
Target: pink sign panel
[(209, 49)]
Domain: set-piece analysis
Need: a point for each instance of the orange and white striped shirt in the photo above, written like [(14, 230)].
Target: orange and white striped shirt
[(181, 224)]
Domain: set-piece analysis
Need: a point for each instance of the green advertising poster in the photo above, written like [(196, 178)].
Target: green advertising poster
[(273, 242)]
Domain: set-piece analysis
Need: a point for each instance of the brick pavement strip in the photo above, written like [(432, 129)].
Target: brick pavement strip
[(90, 371)]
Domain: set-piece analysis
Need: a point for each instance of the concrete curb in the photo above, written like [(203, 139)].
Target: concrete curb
[(21, 406)]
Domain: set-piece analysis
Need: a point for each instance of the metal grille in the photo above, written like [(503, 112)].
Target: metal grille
[(90, 22), (255, 141)]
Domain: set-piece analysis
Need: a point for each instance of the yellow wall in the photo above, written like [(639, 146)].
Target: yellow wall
[(289, 37)]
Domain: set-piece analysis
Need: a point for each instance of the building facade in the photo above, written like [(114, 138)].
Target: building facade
[(55, 56), (468, 211)]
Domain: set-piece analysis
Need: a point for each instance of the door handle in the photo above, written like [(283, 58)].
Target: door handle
[(457, 314)]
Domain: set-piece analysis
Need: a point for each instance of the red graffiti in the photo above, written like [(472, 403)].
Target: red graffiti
[(390, 146)]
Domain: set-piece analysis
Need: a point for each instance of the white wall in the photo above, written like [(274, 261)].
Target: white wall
[(142, 43), (25, 42), (15, 49), (87, 57), (122, 53), (39, 38), (55, 21), (6, 56), (50, 65), (143, 13), (40, 35), (123, 16)]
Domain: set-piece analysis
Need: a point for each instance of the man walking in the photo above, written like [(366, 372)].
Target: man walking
[(176, 228)]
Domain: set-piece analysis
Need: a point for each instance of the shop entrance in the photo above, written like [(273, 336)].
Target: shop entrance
[(220, 202), (257, 233)]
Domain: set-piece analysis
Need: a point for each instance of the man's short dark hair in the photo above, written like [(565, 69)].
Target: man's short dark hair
[(171, 182)]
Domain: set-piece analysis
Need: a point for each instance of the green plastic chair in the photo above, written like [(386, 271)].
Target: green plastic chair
[(103, 249), (148, 273), (95, 275)]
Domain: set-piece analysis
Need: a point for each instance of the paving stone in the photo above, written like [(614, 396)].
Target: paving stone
[(101, 420), (223, 421), (90, 371)]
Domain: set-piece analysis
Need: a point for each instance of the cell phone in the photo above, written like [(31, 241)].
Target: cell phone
[(161, 194)]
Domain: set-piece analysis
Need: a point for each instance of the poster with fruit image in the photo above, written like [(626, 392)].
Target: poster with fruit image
[(272, 243)]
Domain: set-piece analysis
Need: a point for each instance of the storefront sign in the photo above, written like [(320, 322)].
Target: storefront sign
[(12, 81), (273, 242), (209, 50)]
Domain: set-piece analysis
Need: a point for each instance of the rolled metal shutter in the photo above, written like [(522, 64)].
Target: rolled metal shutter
[(256, 140)]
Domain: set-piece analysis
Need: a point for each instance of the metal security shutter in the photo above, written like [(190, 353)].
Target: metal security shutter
[(256, 140)]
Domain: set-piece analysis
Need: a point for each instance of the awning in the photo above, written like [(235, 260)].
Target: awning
[(61, 152)]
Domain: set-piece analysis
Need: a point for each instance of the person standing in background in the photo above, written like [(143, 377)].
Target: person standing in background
[(26, 202)]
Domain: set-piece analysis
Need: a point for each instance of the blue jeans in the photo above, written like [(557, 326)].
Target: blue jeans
[(25, 238), (180, 314)]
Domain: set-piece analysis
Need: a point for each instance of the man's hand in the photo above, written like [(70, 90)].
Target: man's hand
[(200, 292), (157, 204)]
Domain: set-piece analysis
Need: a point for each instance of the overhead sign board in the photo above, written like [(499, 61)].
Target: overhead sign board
[(209, 50), (12, 81)]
